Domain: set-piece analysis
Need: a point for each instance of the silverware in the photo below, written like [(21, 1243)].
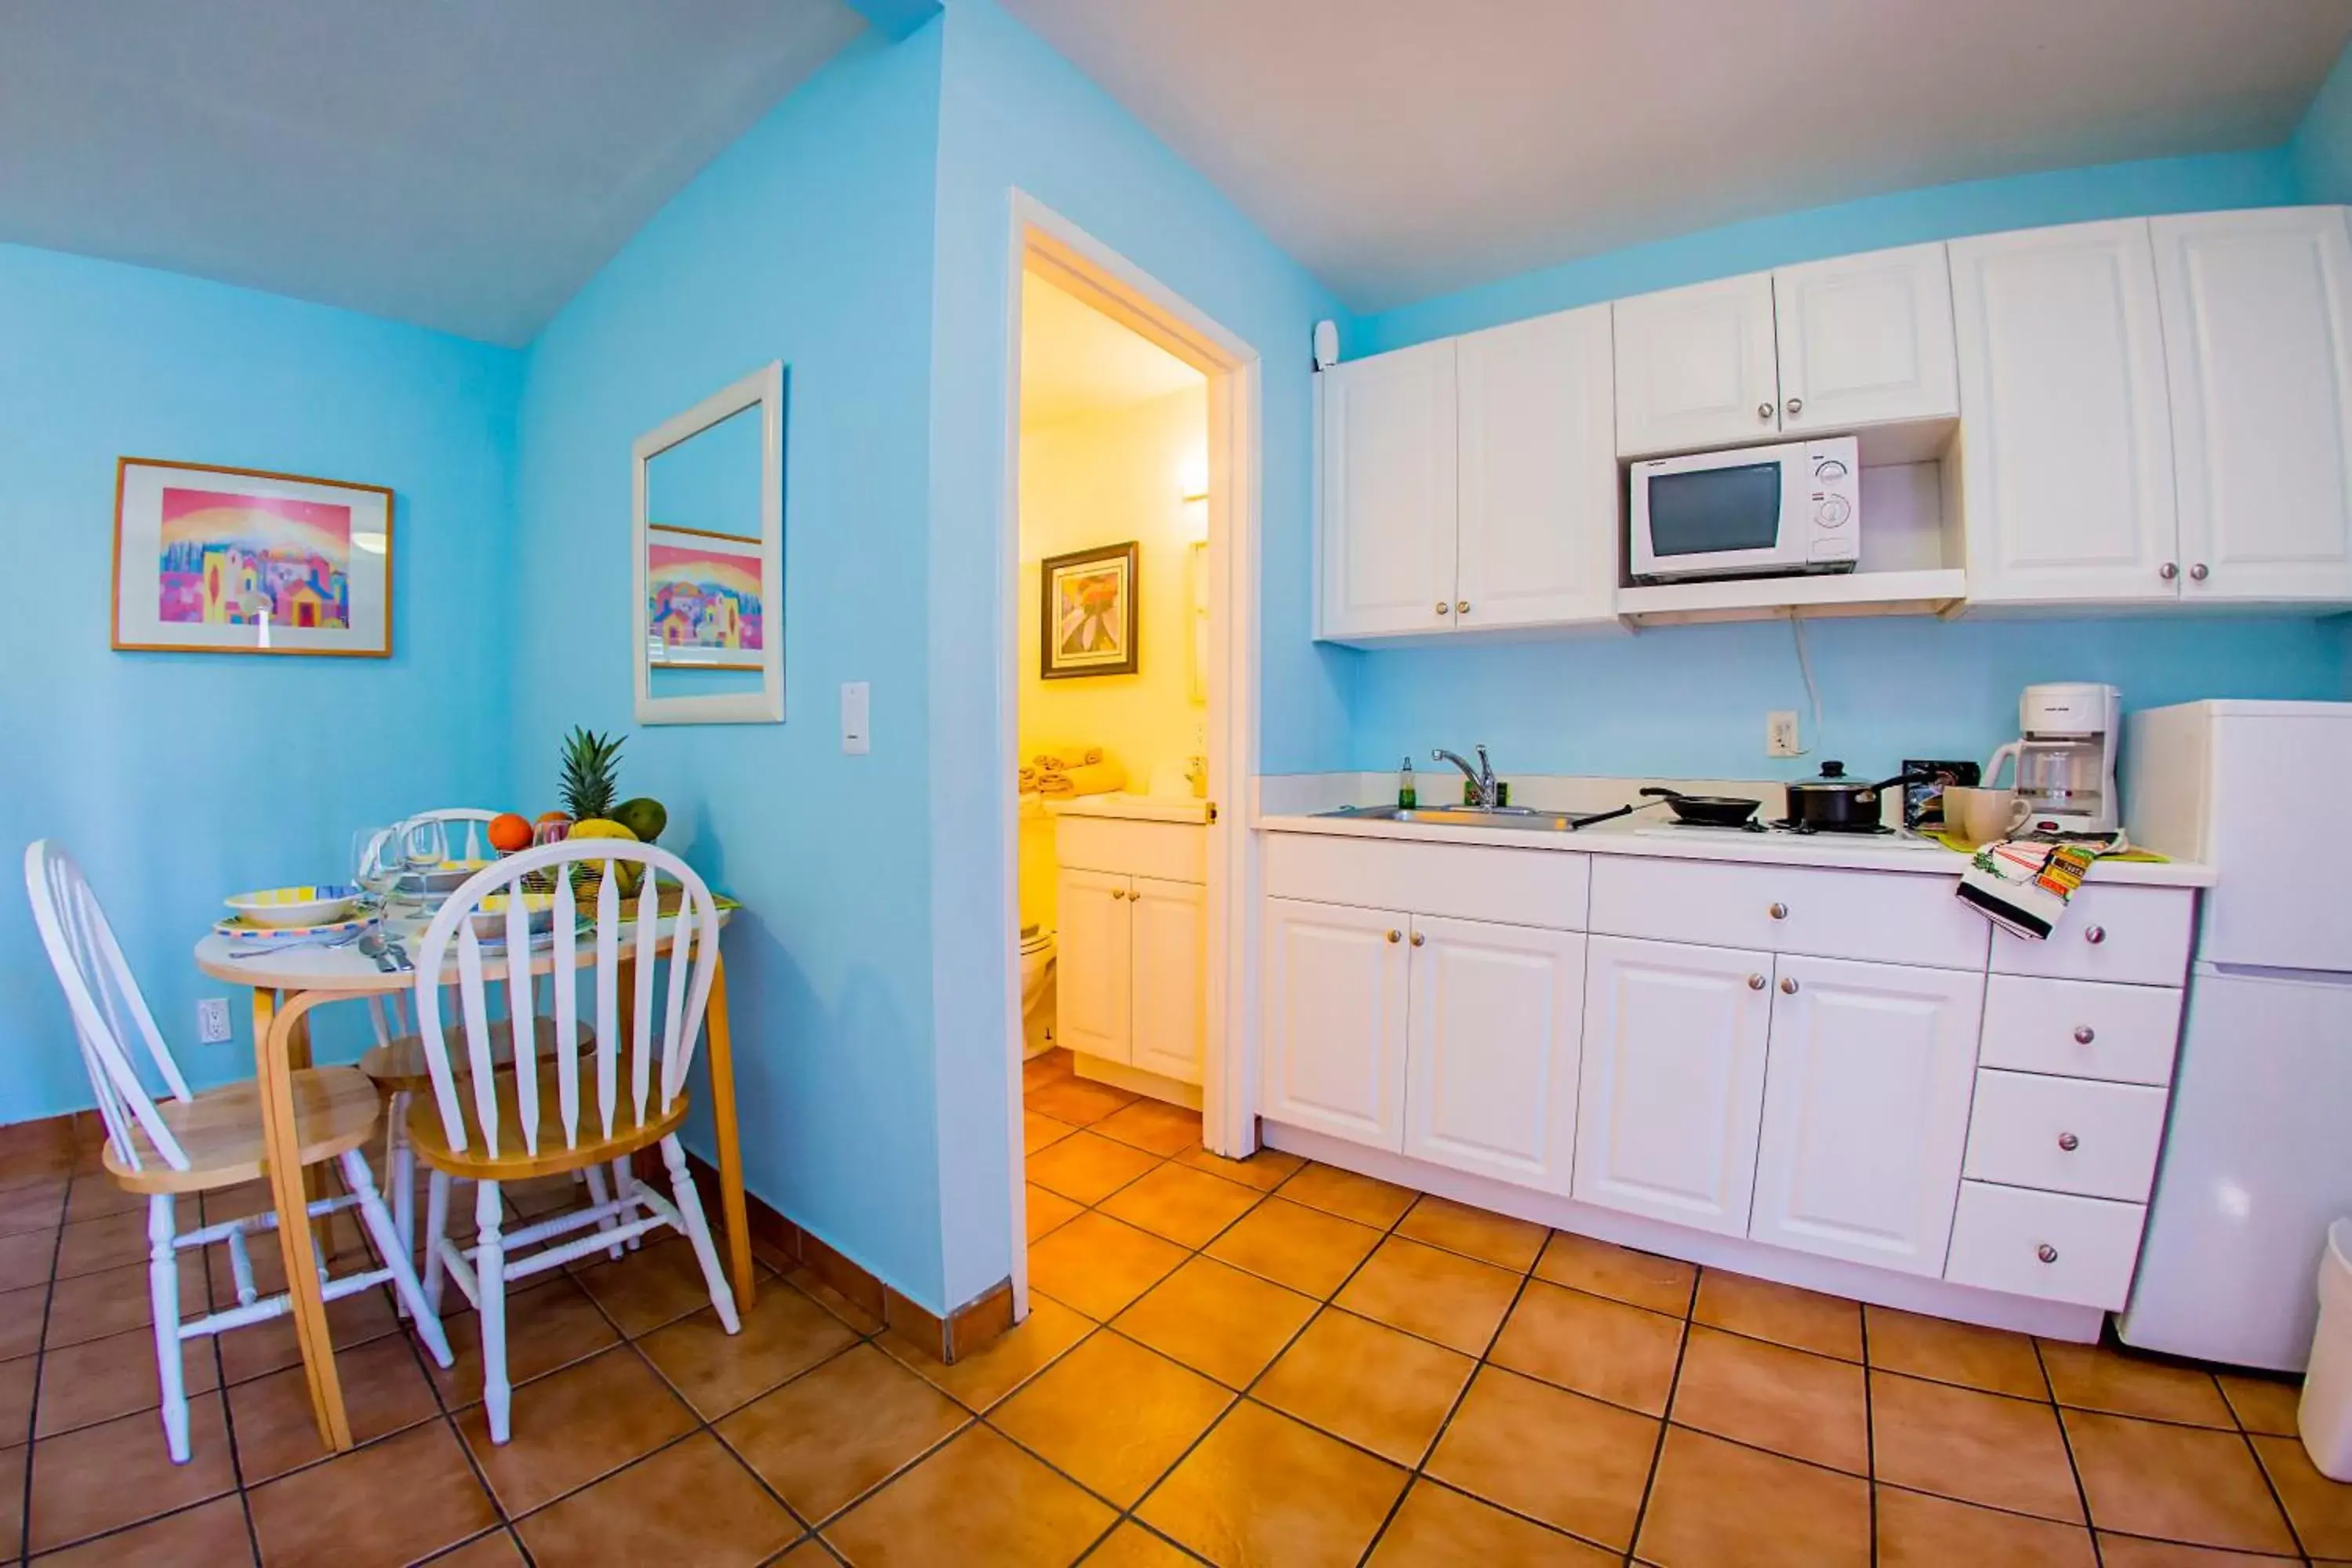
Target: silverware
[(399, 954), (372, 945), (289, 946)]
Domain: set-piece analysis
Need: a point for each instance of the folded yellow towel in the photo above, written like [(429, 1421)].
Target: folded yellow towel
[(1095, 778), (1029, 781), (1062, 758)]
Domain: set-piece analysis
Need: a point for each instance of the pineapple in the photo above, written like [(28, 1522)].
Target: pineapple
[(591, 774)]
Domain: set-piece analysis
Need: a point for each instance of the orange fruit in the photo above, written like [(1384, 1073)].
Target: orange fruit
[(510, 832)]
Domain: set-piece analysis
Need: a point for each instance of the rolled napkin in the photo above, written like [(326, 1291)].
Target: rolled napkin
[(1029, 777), (1093, 778), (1065, 759)]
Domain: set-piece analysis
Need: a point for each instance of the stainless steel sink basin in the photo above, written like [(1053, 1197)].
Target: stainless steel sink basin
[(1518, 816)]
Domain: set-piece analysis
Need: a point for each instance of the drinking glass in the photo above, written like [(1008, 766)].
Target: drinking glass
[(374, 864), (423, 843)]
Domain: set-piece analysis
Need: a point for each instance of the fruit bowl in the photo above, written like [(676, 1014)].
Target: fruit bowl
[(315, 905), (436, 881), (489, 918)]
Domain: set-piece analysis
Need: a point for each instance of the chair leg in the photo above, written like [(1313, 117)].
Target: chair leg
[(490, 1286), (163, 1285), (400, 1178), (437, 1224), (594, 1176), (386, 1236), (698, 1231), (624, 1184)]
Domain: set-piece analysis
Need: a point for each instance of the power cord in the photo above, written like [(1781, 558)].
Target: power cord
[(1813, 692)]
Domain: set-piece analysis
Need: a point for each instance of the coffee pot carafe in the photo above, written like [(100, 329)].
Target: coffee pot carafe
[(2064, 761)]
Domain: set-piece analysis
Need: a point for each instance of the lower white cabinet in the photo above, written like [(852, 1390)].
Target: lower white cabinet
[(1334, 1035), (1673, 1080), (1130, 971), (1866, 1109), (1491, 1058), (1091, 984)]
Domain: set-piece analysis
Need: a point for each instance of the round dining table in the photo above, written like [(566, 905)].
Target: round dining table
[(287, 984)]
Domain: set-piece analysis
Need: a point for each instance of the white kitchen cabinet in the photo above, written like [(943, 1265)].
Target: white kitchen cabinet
[(1866, 1111), (1168, 926), (2065, 428), (1091, 990), (1672, 1081), (1536, 539), (1865, 339), (1696, 367), (1387, 473), (1491, 1073), (2257, 310), (1333, 990)]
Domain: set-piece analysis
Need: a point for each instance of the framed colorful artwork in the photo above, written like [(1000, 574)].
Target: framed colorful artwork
[(704, 598), (214, 559), (1089, 612)]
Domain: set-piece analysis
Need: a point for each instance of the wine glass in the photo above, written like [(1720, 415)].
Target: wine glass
[(375, 867), (423, 843)]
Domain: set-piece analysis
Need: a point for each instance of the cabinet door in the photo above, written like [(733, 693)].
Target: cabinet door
[(1387, 493), (1694, 368), (1866, 340), (2065, 433), (1170, 925), (1491, 1073), (1673, 1080), (2258, 342), (1866, 1117), (1091, 964), (1334, 1036), (1537, 543)]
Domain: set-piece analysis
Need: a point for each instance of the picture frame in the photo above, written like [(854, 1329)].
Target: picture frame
[(212, 559), (1089, 614)]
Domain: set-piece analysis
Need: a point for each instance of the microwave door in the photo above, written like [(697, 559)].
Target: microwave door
[(1714, 520)]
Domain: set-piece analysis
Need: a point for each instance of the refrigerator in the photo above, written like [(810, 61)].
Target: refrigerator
[(2258, 1146)]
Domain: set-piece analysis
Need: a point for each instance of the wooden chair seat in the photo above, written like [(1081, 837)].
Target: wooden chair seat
[(399, 1064), (514, 1161), (335, 1109)]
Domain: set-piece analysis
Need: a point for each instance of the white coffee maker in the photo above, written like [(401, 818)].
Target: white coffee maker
[(2065, 759)]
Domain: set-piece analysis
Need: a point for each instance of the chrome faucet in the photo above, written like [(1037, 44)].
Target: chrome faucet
[(1482, 777)]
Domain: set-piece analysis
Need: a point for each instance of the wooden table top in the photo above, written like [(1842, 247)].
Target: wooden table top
[(346, 970)]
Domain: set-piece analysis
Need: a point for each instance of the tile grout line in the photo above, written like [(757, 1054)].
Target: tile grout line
[(41, 1359), (1666, 1417), (1870, 1437), (2066, 1439)]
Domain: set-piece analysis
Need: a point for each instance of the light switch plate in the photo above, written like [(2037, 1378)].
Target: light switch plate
[(856, 738)]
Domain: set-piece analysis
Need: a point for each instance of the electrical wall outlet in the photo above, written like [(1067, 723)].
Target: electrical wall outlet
[(212, 1020), (1781, 734)]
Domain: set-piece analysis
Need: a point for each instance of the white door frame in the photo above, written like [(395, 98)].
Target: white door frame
[(1044, 242)]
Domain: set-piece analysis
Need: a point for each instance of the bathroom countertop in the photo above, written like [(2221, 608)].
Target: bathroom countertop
[(1131, 807)]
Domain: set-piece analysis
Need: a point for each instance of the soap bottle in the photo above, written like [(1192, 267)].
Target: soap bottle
[(1407, 795)]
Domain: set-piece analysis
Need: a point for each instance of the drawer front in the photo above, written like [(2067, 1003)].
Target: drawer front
[(1883, 917), (1170, 851), (1544, 887), (2081, 1028), (2050, 1245), (2066, 1135), (2137, 935)]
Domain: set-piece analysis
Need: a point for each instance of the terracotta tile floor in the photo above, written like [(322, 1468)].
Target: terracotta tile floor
[(1274, 1363)]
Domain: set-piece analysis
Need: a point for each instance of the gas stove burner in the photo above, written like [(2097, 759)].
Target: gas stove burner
[(1751, 826), (1868, 830)]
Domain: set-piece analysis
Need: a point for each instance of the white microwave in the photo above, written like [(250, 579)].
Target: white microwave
[(1756, 512)]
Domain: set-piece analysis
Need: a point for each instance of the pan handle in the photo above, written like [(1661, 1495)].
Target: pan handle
[(1661, 792)]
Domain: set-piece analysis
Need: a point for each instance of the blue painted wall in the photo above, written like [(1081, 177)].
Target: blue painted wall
[(2321, 151), (808, 241), (178, 778)]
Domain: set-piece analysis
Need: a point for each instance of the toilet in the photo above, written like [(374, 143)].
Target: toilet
[(1036, 991)]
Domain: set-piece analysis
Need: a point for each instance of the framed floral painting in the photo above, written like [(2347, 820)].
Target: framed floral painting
[(1089, 612), (214, 559)]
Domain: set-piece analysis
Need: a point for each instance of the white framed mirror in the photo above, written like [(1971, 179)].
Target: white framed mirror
[(708, 575)]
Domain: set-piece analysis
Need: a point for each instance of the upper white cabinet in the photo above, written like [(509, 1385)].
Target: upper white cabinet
[(1536, 536), (1470, 484), (2065, 436), (1866, 1109), (1334, 998), (2257, 311), (1696, 367), (1388, 492), (1831, 346), (1491, 1073)]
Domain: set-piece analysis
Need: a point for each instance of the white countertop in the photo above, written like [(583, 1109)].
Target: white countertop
[(1627, 836), (1128, 808)]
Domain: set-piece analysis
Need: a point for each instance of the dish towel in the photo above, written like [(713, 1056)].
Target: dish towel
[(2022, 885)]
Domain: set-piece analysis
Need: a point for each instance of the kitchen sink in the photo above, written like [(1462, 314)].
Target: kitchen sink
[(1517, 817)]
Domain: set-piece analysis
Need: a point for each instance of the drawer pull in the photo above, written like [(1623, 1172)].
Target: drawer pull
[(2047, 1253), (2085, 1035), (1418, 939), (2069, 1142), (1779, 912), (1756, 983), (1396, 936), (2096, 935), (1788, 986)]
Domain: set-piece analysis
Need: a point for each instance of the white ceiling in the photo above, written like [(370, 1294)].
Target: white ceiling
[(466, 164), (1076, 361), (1405, 148)]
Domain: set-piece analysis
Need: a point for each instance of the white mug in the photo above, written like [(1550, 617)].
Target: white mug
[(1980, 815)]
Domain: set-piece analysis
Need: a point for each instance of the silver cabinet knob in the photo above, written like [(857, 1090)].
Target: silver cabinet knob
[(1443, 608), (2047, 1253), (1418, 939), (1788, 986), (2198, 573), (2096, 935), (2085, 1035), (1763, 411), (1461, 606), (2169, 571), (1396, 936), (1779, 912), (2069, 1142), (1756, 983), (1795, 406)]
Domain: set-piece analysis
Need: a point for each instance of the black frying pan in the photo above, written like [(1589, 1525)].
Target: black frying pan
[(1706, 810)]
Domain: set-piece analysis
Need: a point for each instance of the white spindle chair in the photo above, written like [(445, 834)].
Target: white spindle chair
[(198, 1142), (560, 1110)]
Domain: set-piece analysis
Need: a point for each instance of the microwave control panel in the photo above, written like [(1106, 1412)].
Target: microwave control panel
[(1835, 534)]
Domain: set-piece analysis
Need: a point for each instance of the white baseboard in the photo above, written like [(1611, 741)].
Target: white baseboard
[(1835, 1277), (1137, 1080)]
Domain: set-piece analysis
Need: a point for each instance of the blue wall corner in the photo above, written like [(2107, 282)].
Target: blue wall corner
[(897, 19), (2320, 152)]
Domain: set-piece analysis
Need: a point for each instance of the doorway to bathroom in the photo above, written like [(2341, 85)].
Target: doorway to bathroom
[(1129, 521)]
